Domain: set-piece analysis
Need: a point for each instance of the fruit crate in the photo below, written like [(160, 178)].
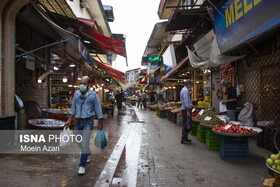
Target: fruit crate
[(201, 133), (211, 135), (194, 126), (162, 113), (213, 144), (234, 148), (212, 140)]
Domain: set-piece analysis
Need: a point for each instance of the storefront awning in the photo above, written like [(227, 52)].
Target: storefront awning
[(112, 72), (185, 19), (73, 46), (175, 69), (109, 44), (59, 7)]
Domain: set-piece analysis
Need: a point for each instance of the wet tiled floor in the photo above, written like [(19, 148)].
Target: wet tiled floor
[(151, 156)]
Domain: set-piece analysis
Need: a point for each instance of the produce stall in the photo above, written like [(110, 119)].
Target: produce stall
[(204, 121), (273, 164), (234, 140)]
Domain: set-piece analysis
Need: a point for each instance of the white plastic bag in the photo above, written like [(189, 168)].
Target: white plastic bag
[(245, 116), (223, 107), (65, 140)]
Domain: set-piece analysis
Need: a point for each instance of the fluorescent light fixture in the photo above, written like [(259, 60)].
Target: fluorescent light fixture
[(70, 85), (87, 42), (72, 65), (64, 79)]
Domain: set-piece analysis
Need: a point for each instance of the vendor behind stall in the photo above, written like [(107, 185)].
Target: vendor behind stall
[(231, 99)]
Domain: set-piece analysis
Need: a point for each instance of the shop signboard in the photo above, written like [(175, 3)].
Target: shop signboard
[(150, 59), (240, 20), (204, 45), (169, 59)]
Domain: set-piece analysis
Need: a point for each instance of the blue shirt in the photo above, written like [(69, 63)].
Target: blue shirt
[(185, 98), (82, 106)]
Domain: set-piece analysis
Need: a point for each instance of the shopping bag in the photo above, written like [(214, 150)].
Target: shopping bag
[(100, 140), (223, 107), (65, 140)]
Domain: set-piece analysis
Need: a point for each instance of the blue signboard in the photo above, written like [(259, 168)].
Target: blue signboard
[(240, 20)]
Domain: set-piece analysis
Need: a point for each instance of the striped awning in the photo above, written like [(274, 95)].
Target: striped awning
[(59, 7)]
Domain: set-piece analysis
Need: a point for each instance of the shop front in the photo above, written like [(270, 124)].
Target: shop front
[(252, 30)]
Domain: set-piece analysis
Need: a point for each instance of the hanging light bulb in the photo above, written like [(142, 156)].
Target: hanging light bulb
[(55, 68), (64, 79), (39, 81), (72, 65)]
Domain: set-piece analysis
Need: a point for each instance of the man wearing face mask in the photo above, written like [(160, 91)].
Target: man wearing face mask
[(83, 104), (231, 99), (186, 111)]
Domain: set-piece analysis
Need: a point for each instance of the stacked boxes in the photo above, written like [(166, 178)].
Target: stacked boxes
[(212, 140), (194, 126), (201, 133), (162, 113), (234, 148)]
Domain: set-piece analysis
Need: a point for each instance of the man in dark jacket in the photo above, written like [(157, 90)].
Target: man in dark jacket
[(231, 99)]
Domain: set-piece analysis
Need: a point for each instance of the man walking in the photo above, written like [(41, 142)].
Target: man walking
[(231, 99), (186, 111), (83, 104)]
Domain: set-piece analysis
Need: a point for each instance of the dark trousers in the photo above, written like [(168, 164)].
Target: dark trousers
[(187, 124), (119, 104)]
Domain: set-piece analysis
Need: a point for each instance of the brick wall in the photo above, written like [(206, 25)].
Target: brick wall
[(26, 86)]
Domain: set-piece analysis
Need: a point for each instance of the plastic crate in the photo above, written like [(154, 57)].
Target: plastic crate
[(162, 113), (194, 126), (200, 136), (201, 129), (211, 135), (212, 140), (201, 133), (213, 143), (234, 148)]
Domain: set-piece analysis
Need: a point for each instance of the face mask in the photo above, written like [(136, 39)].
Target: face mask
[(83, 88)]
